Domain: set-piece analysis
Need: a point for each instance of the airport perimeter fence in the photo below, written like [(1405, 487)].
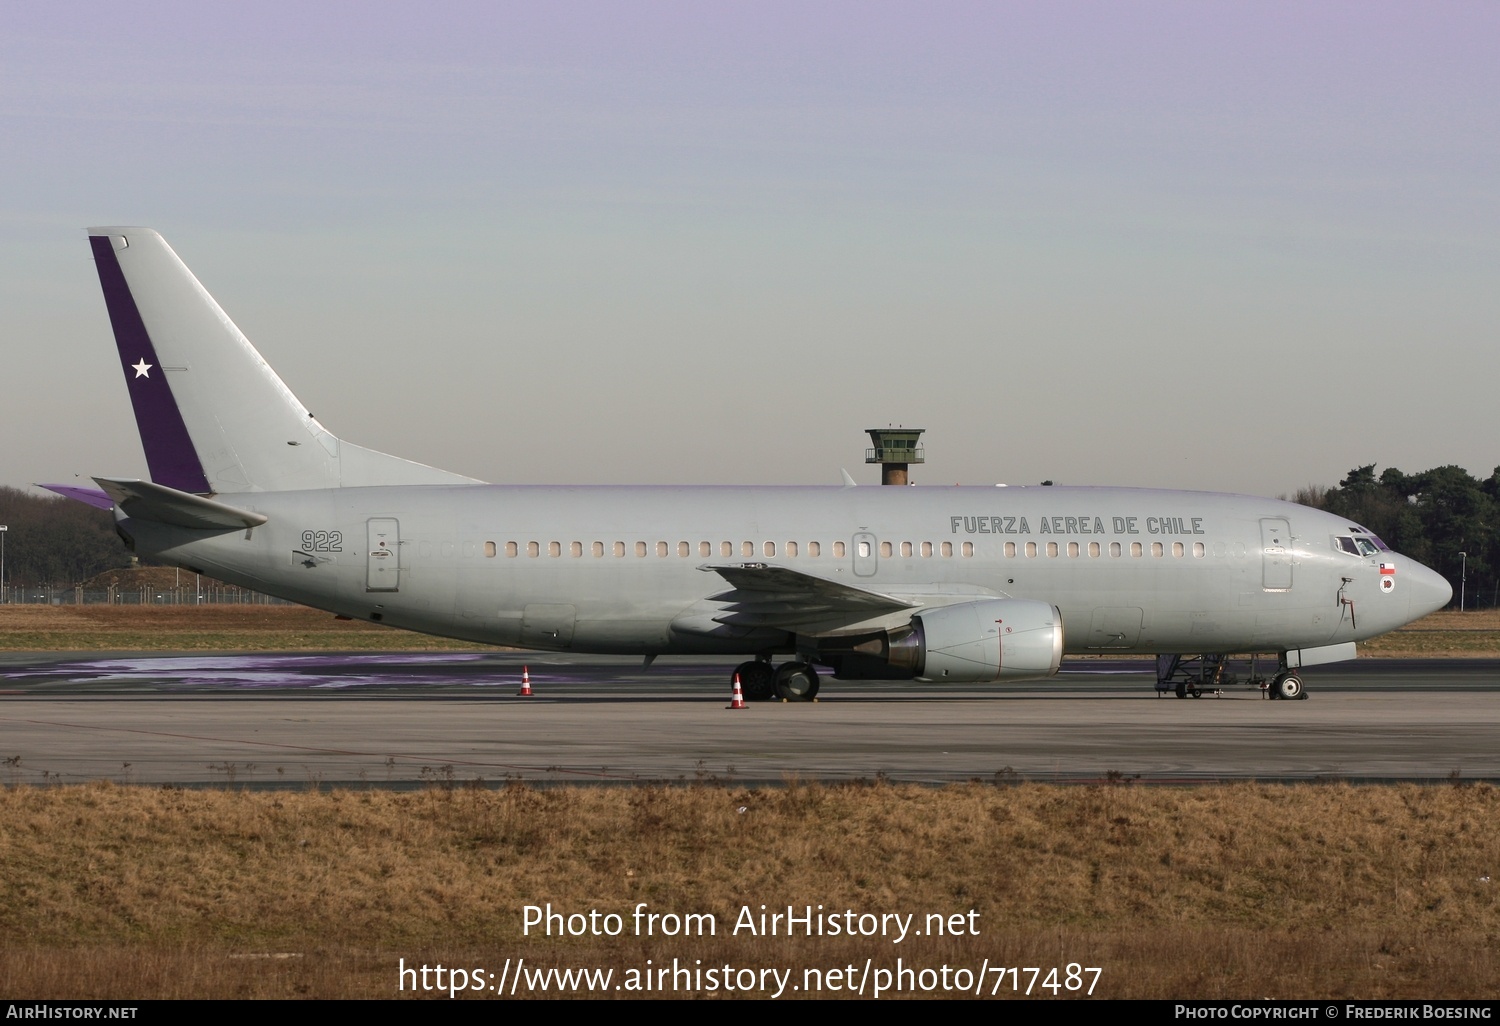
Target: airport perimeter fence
[(204, 595)]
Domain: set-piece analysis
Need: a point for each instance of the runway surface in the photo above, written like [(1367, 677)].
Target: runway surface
[(408, 719)]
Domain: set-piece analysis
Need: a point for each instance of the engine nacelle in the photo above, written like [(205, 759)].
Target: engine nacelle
[(970, 642)]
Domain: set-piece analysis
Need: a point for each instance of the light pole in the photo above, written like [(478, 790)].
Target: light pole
[(1463, 579), (3, 529)]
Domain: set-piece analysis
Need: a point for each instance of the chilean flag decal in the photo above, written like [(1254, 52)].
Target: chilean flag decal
[(1387, 576)]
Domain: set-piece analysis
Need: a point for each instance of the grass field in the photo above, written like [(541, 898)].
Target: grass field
[(1233, 891), (1446, 635)]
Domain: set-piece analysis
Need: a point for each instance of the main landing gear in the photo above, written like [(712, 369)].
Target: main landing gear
[(790, 682)]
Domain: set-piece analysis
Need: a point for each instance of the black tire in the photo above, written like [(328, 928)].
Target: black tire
[(1288, 686), (757, 681), (796, 682), (1181, 689)]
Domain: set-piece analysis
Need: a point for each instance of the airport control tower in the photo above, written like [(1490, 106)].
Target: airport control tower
[(895, 449)]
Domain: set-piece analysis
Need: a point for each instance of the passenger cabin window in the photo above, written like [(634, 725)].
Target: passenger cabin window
[(511, 549), (661, 548), (1030, 550), (968, 549), (619, 549), (489, 550), (1197, 550), (885, 549), (791, 548), (554, 548), (864, 550), (1094, 549), (640, 550), (576, 548), (1114, 548), (814, 549), (533, 549), (1073, 550), (926, 550), (683, 548), (1136, 550), (598, 549), (906, 549), (769, 548), (840, 549), (1157, 549), (1177, 549), (747, 549), (947, 549)]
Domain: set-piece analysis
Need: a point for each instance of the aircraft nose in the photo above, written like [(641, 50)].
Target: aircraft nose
[(1430, 590)]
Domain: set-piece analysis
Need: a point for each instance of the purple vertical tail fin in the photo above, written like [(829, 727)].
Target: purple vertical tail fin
[(214, 417), (169, 449)]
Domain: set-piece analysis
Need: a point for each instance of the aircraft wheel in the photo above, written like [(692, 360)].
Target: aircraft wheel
[(757, 680), (1181, 689), (1288, 686), (796, 682)]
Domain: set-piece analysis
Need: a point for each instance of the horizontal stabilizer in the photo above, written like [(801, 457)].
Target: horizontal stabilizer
[(89, 496), (146, 501)]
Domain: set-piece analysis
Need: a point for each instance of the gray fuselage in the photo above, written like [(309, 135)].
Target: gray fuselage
[(622, 569)]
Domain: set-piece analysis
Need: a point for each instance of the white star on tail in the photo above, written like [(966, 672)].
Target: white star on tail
[(142, 368)]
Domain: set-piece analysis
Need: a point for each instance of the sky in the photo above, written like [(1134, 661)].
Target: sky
[(1236, 247)]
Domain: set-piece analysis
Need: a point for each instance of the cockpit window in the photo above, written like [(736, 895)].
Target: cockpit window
[(1368, 537), (1346, 544)]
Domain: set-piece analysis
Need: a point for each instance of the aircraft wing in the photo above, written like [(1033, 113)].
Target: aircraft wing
[(763, 595)]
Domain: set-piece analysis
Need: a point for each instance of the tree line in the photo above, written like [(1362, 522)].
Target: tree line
[(1444, 517), (56, 541)]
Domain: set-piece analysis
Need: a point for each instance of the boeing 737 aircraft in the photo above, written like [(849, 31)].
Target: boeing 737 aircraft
[(928, 584)]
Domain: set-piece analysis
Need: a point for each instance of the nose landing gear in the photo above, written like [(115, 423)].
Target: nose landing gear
[(1287, 685)]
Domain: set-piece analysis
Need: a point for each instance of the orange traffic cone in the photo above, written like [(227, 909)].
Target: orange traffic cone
[(525, 683), (738, 702)]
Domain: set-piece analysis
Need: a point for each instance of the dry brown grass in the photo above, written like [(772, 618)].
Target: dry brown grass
[(1447, 634), (1232, 891)]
